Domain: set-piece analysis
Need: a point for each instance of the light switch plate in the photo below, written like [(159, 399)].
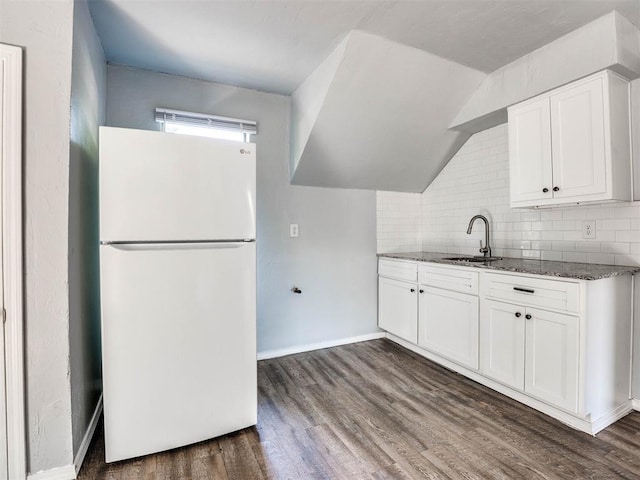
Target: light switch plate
[(293, 230)]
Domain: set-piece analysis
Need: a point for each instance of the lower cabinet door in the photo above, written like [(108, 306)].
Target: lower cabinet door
[(551, 372), (448, 324), (502, 340), (398, 308)]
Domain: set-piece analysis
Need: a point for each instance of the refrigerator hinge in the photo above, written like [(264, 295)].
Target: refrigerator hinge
[(3, 312)]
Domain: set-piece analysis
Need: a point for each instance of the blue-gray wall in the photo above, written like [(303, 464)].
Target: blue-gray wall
[(88, 96), (334, 259)]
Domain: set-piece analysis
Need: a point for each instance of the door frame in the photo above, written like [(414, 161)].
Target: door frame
[(11, 158)]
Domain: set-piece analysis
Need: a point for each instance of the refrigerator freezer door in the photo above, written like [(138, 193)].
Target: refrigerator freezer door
[(164, 186), (178, 344)]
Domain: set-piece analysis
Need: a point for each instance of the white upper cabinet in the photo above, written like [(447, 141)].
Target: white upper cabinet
[(572, 145)]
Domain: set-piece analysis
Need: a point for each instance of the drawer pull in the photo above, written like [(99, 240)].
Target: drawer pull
[(421, 291), (526, 290), (527, 316), (413, 290), (518, 314)]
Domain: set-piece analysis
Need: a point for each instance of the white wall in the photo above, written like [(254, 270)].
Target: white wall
[(44, 29), (334, 259), (476, 181), (88, 95), (382, 121)]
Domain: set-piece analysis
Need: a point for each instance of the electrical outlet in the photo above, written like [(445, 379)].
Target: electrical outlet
[(293, 230), (589, 229)]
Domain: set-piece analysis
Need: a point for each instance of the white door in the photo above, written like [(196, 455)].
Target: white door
[(398, 308), (178, 344), (448, 324), (164, 186), (530, 170), (502, 336), (3, 367), (12, 408), (578, 131), (552, 358)]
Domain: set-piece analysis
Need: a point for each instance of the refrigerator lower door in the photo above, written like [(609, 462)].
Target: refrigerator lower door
[(178, 344)]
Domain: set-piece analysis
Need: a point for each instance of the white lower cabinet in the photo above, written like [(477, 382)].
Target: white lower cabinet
[(531, 350), (398, 308), (448, 324), (559, 345)]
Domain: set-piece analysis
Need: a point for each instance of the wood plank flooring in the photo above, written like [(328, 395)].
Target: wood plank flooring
[(376, 411)]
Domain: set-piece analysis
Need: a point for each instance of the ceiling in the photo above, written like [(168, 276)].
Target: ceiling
[(273, 45)]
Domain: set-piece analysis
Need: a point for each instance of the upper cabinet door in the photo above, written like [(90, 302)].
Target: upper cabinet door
[(578, 132), (530, 152)]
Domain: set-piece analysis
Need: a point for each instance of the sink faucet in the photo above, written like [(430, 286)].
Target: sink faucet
[(486, 250)]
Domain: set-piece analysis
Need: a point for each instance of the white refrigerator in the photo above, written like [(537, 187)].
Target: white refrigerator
[(178, 289)]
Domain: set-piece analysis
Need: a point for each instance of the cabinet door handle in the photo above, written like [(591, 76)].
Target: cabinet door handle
[(527, 316), (413, 289), (545, 190), (555, 189), (525, 290), (518, 314), (421, 291)]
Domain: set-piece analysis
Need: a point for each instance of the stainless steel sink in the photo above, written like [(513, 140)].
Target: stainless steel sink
[(473, 259)]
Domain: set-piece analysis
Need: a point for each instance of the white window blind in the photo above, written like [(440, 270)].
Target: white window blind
[(191, 123)]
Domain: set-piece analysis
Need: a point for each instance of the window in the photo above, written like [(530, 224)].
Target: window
[(189, 123)]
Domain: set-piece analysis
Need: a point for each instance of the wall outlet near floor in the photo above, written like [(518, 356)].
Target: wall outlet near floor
[(293, 230), (589, 229)]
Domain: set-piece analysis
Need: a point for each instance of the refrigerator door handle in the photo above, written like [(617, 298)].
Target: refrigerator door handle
[(133, 246)]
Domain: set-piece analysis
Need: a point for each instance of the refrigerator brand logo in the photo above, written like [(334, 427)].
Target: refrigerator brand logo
[(245, 152)]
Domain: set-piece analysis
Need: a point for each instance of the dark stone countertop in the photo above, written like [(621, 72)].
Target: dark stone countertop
[(579, 271)]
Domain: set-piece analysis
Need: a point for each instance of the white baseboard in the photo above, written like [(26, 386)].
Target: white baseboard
[(68, 472), (635, 403), (86, 440), (281, 352), (611, 417)]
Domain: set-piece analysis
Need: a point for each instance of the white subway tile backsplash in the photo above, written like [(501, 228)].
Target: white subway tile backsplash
[(476, 181), (614, 247), (574, 214), (614, 224), (588, 246), (551, 255), (574, 257), (606, 258), (630, 236), (551, 215)]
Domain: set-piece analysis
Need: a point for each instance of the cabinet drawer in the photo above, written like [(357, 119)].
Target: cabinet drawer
[(537, 292), (400, 270), (449, 278)]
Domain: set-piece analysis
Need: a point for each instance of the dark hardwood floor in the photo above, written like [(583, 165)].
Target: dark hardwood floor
[(374, 410)]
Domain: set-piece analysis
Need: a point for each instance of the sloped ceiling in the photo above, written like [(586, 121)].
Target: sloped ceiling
[(380, 115), (274, 45), (610, 42), (369, 110), (375, 115)]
